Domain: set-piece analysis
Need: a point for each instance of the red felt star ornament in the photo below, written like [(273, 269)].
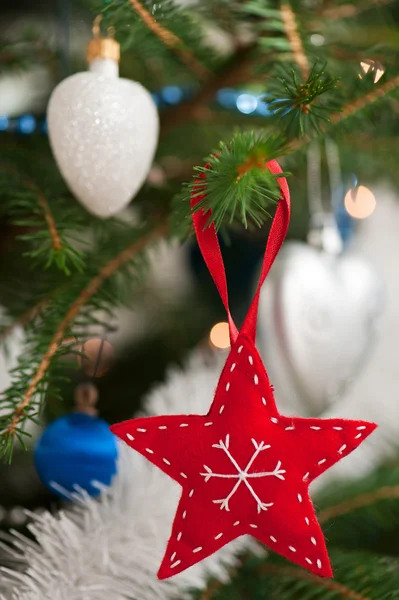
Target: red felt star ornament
[(243, 467)]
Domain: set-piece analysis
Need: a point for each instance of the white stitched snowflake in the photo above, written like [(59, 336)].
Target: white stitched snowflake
[(243, 475)]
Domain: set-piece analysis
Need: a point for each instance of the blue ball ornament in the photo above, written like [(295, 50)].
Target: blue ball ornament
[(76, 450)]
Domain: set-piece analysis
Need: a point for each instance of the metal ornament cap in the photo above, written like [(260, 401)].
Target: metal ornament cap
[(105, 47)]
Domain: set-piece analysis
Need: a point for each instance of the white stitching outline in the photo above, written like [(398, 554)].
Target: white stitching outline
[(183, 475), (313, 540), (342, 449), (183, 425), (361, 427), (322, 461), (338, 428), (221, 409), (141, 430), (256, 379), (315, 428), (228, 386), (273, 539), (240, 349), (319, 563), (306, 476), (197, 549), (130, 437), (291, 428), (208, 423), (292, 548), (184, 515), (263, 401), (172, 558), (236, 523), (233, 366), (308, 561), (299, 498), (307, 521), (162, 427), (179, 536), (253, 526), (218, 536), (191, 494), (250, 360), (149, 451), (175, 564), (166, 461), (274, 420), (359, 435)]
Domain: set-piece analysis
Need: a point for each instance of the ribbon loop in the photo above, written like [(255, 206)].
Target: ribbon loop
[(210, 249)]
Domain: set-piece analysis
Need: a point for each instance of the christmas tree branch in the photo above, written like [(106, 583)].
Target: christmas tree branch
[(236, 184), (384, 493), (170, 40), (41, 199), (328, 584), (351, 108), (234, 71), (74, 309), (375, 94), (291, 30), (46, 231), (282, 571), (25, 318), (346, 11), (43, 203)]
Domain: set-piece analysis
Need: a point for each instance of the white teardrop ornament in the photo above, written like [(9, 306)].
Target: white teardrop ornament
[(103, 132)]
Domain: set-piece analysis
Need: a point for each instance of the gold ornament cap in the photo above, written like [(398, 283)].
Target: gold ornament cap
[(102, 47)]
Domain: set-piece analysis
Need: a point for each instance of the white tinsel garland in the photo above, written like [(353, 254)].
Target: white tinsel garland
[(111, 549)]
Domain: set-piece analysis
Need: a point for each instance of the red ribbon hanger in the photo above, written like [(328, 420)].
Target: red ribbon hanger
[(209, 245)]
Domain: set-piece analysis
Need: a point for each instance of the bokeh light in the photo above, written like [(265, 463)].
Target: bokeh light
[(360, 202), (219, 336), (317, 39), (247, 103), (369, 65)]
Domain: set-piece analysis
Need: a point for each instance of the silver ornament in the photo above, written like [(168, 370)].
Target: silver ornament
[(103, 132), (317, 319)]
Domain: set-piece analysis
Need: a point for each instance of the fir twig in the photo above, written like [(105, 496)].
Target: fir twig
[(291, 31), (328, 584), (346, 11), (384, 493), (236, 181), (105, 272), (41, 199), (352, 108), (170, 40), (302, 104), (25, 318), (235, 71), (375, 94), (44, 205)]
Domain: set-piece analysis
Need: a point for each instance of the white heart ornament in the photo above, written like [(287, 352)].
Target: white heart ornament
[(103, 132), (317, 320)]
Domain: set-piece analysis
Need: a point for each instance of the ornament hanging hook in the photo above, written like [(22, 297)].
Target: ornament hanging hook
[(96, 29), (323, 231)]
